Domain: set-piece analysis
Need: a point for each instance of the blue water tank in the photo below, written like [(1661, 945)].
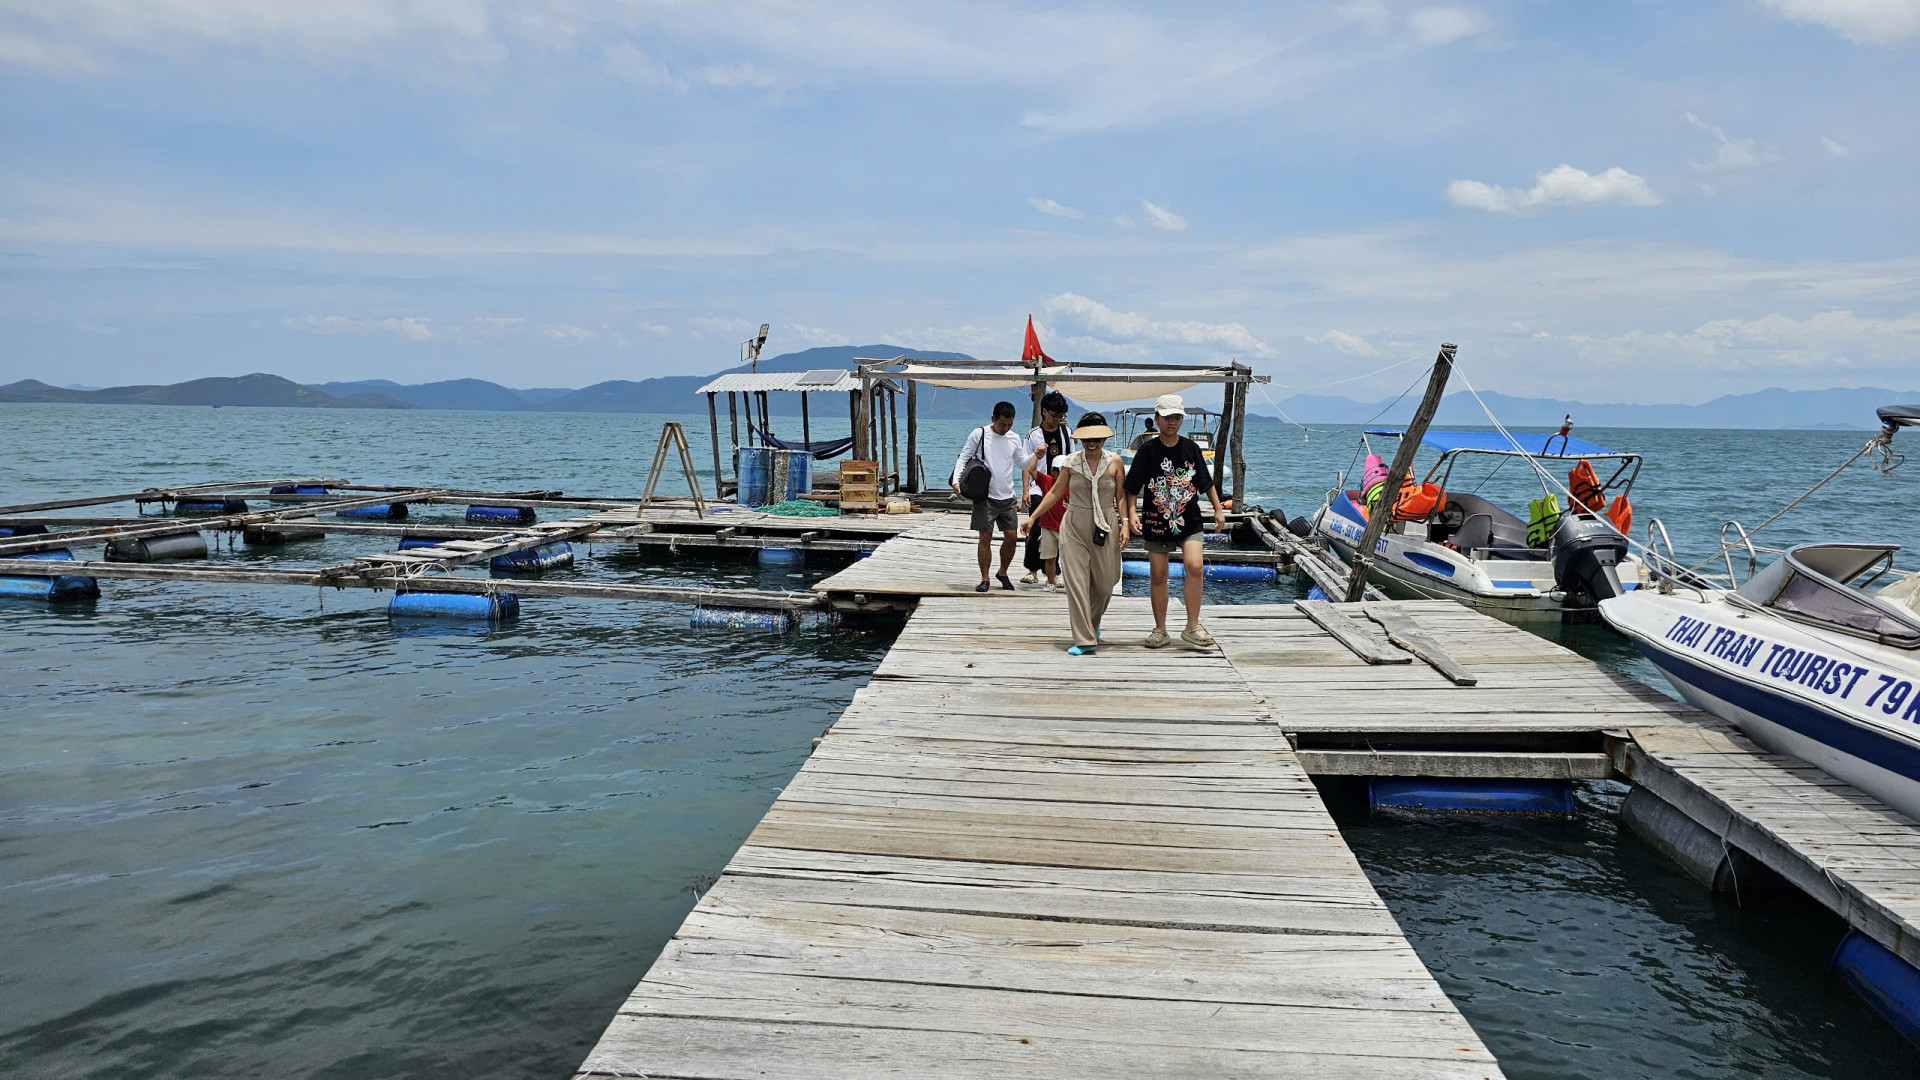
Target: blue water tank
[(708, 618), (1890, 984), (54, 588), (1487, 796), (552, 556), (209, 507), (502, 515), (756, 471), (427, 605), (799, 475), (376, 512)]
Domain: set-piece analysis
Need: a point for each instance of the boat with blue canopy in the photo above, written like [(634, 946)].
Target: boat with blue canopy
[(1447, 541)]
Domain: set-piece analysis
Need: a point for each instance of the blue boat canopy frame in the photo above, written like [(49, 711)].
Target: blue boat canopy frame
[(1492, 442)]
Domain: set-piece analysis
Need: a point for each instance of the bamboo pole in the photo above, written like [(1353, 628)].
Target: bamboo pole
[(1379, 516)]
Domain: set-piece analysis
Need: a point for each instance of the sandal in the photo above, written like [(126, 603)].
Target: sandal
[(1197, 636), (1032, 577), (1158, 639)]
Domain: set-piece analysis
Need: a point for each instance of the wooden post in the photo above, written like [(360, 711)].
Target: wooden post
[(913, 440), (806, 426), (893, 430), (1240, 437), (733, 421), (713, 428), (1223, 444), (766, 425), (853, 419), (1039, 391), (1379, 516)]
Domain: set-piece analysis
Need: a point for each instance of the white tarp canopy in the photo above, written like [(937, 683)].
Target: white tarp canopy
[(1101, 383)]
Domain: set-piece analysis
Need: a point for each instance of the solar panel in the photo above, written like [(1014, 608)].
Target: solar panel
[(821, 377)]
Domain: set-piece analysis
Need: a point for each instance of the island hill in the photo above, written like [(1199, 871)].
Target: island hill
[(1774, 408)]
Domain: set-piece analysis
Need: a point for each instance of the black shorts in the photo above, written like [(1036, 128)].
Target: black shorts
[(995, 515)]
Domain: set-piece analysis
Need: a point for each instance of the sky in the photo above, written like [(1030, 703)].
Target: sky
[(1635, 201)]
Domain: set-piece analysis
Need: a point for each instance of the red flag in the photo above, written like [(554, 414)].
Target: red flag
[(1031, 353)]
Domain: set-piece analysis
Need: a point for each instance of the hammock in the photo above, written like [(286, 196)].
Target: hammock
[(821, 449)]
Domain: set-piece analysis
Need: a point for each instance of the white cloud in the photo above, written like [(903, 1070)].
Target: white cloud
[(624, 60), (1162, 218), (96, 328), (1101, 322), (1826, 329), (406, 328), (1445, 25), (1562, 185), (569, 335), (1053, 209), (1834, 147), (1374, 16), (657, 329), (813, 336), (1351, 344), (1731, 153), (736, 76), (1863, 22), (1122, 221)]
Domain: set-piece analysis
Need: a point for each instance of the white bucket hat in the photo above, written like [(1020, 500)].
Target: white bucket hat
[(1169, 405)]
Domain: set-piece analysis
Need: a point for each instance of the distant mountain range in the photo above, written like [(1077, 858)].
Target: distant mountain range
[(1847, 408), (1850, 408)]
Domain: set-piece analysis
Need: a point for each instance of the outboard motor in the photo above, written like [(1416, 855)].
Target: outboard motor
[(1585, 552)]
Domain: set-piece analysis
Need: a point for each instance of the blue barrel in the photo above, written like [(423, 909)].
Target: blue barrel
[(295, 489), (157, 548), (1486, 796), (502, 515), (408, 543), (708, 618), (1315, 592), (782, 556), (23, 530), (799, 475), (427, 605), (1214, 572), (209, 507), (1888, 983), (756, 471), (377, 512), (55, 588), (554, 556)]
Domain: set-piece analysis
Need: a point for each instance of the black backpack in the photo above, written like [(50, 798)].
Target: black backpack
[(975, 475)]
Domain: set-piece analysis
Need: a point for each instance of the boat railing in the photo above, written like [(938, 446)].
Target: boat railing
[(1664, 568), (1726, 549)]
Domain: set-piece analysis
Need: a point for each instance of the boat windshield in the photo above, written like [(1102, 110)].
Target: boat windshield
[(1813, 583)]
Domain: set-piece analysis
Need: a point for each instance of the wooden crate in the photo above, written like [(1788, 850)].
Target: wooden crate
[(859, 486)]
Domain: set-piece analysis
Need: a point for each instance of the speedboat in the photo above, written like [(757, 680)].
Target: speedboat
[(1444, 544), (1817, 656), (1201, 425), (1803, 658)]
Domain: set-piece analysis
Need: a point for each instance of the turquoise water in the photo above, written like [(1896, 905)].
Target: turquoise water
[(248, 830)]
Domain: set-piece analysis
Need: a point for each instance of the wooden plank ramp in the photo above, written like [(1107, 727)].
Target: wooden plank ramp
[(1005, 862)]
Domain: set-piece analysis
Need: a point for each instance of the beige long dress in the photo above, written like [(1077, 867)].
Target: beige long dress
[(1090, 571)]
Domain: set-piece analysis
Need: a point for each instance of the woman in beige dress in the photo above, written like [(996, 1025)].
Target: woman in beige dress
[(1093, 531)]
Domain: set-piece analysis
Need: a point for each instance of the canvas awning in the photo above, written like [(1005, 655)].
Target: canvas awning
[(1082, 382)]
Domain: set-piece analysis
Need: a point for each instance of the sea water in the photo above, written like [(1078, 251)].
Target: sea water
[(260, 830)]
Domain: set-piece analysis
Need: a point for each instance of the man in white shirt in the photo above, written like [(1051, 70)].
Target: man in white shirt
[(999, 449)]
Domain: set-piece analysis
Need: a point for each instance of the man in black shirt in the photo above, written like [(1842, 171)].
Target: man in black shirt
[(1167, 476)]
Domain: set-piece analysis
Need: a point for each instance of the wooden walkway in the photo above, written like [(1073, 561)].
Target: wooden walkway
[(1001, 862)]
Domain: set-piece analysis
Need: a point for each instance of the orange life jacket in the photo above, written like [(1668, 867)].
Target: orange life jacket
[(1418, 501), (1621, 514), (1585, 488)]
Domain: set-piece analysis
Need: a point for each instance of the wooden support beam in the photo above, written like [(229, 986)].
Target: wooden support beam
[(914, 479), (1380, 516), (157, 494), (174, 526)]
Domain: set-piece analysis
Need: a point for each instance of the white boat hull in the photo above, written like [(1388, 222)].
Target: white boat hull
[(1819, 697)]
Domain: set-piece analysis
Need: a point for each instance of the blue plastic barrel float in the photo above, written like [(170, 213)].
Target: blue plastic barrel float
[(1472, 795), (1213, 572), (191, 507), (23, 530), (493, 607), (720, 618), (782, 556), (502, 515), (295, 489), (1315, 592), (145, 549), (408, 543), (1888, 983), (554, 556), (376, 512), (56, 587), (756, 471), (798, 475)]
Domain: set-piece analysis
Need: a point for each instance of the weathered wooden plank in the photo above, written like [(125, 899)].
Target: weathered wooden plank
[(1349, 633), (1404, 632)]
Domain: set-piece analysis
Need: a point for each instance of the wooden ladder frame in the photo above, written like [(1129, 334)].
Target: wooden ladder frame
[(671, 432)]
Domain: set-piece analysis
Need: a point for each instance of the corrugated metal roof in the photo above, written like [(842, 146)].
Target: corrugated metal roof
[(815, 381)]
